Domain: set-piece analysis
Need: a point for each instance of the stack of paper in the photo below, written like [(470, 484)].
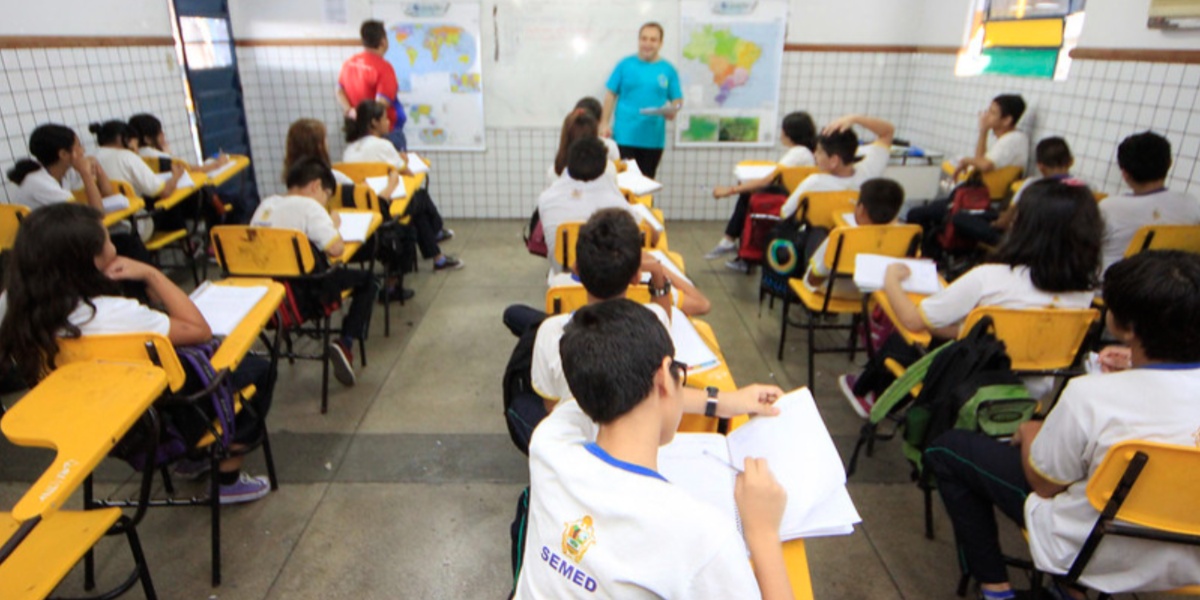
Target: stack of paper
[(799, 452), (636, 183), (378, 184), (185, 180), (869, 270), (644, 214), (690, 348), (753, 172), (355, 226), (224, 306), (415, 164), (221, 171)]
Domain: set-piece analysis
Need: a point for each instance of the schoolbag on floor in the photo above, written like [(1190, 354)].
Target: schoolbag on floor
[(523, 407), (535, 236), (761, 219), (970, 196)]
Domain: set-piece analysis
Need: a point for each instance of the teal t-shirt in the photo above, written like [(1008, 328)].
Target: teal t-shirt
[(637, 85)]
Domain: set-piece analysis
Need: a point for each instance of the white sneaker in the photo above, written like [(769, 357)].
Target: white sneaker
[(723, 247)]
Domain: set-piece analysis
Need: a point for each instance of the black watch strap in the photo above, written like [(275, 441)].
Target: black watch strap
[(710, 409)]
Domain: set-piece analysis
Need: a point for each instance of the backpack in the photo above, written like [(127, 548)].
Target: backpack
[(523, 407), (970, 195), (761, 220), (966, 384), (535, 237), (787, 253)]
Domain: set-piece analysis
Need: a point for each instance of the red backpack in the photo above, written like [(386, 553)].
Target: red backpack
[(970, 195), (761, 219)]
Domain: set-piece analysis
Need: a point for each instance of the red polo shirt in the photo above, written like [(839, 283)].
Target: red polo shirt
[(367, 76)]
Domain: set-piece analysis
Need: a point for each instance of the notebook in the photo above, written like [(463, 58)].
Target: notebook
[(355, 226), (869, 269), (798, 450), (644, 214), (221, 171), (633, 180), (185, 180), (415, 164), (690, 348), (114, 203), (669, 265), (224, 306), (378, 184), (850, 219), (752, 172)]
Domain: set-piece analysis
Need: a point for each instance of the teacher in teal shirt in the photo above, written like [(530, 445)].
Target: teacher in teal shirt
[(641, 82)]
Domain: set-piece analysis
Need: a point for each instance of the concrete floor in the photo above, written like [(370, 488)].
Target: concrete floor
[(407, 487)]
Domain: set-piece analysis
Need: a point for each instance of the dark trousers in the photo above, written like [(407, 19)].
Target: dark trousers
[(130, 245), (875, 377), (930, 217), (427, 222), (647, 158), (977, 227), (254, 370), (362, 298), (737, 221), (976, 474), (519, 318)]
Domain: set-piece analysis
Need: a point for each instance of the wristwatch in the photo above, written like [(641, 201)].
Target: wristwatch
[(710, 409), (665, 290)]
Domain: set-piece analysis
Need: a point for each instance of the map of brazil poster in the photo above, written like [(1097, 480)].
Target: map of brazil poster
[(730, 61)]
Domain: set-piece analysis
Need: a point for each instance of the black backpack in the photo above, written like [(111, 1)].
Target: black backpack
[(523, 407)]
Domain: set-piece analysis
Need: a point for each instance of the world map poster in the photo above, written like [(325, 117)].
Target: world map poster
[(730, 62), (434, 48)]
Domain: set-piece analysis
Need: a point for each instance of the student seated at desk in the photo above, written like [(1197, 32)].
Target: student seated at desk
[(63, 281), (1040, 479), (596, 110), (60, 167), (1050, 259), (113, 138), (1054, 161), (843, 164), (149, 141), (602, 521), (365, 136), (310, 184), (1144, 159), (577, 125), (878, 204), (799, 136)]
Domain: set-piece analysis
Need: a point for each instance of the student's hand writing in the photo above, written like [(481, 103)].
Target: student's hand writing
[(760, 499), (1115, 358), (839, 124), (126, 269), (897, 271), (756, 399)]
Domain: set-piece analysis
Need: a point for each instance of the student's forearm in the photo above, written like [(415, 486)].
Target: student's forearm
[(92, 193), (883, 130), (187, 324), (981, 144), (610, 102), (766, 554), (905, 309), (103, 184)]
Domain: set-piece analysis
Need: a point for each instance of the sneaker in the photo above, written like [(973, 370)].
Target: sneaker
[(343, 363), (191, 470), (397, 295), (739, 265), (861, 404), (449, 263), (445, 235), (247, 488), (722, 248)]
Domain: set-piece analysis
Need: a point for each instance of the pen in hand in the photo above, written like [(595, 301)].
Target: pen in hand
[(722, 461)]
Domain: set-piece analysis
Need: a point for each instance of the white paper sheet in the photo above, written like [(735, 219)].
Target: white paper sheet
[(354, 226), (415, 164), (645, 214), (224, 306), (850, 219), (752, 172), (378, 184), (668, 264), (114, 203), (869, 270), (221, 171), (689, 346), (633, 180), (185, 180)]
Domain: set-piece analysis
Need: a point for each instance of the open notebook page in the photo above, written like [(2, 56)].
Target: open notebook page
[(669, 265), (633, 180), (378, 184), (869, 270), (224, 306), (645, 214), (354, 226), (415, 164), (690, 348), (221, 171), (688, 460)]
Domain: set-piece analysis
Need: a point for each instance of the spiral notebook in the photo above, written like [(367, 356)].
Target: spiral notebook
[(799, 452)]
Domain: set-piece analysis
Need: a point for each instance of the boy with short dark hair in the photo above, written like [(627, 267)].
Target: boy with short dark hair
[(304, 208), (1144, 159), (1154, 307), (879, 202), (843, 165), (602, 521)]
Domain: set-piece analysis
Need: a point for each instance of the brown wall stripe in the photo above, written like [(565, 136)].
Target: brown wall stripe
[(1138, 55), (299, 42), (9, 42)]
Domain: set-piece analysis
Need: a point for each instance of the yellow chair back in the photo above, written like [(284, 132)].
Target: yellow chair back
[(359, 172), (135, 348), (1164, 496), (564, 243), (10, 220), (793, 176), (77, 411), (1038, 339), (1165, 237), (562, 299), (363, 198), (846, 243), (248, 251), (817, 209), (998, 181)]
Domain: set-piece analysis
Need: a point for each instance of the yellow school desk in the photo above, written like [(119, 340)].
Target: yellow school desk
[(412, 183), (199, 179), (235, 345), (220, 177), (352, 247), (112, 218), (719, 377), (917, 338)]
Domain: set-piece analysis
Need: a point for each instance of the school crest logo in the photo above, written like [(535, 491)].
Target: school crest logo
[(578, 537), (663, 82), (1196, 438)]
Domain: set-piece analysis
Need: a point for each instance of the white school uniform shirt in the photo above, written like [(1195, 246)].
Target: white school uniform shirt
[(994, 285), (1155, 403), (1032, 180), (798, 156), (40, 188), (569, 199), (300, 213), (1010, 149), (125, 165), (1124, 215), (112, 314), (603, 528), (373, 149), (614, 152), (151, 152), (843, 288), (546, 371), (874, 161)]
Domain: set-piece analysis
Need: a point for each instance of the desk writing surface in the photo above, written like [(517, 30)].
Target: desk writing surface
[(919, 338), (235, 345), (112, 218), (199, 178), (237, 163), (352, 247)]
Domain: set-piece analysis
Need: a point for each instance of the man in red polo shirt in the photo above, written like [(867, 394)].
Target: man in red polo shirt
[(368, 76)]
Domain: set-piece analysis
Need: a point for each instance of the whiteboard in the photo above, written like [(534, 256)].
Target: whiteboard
[(542, 56)]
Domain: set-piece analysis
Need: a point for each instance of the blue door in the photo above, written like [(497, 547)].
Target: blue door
[(216, 92)]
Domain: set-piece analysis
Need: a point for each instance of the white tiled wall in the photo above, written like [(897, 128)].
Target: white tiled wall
[(77, 86)]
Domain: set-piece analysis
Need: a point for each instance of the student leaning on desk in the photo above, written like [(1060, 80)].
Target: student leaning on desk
[(63, 280)]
